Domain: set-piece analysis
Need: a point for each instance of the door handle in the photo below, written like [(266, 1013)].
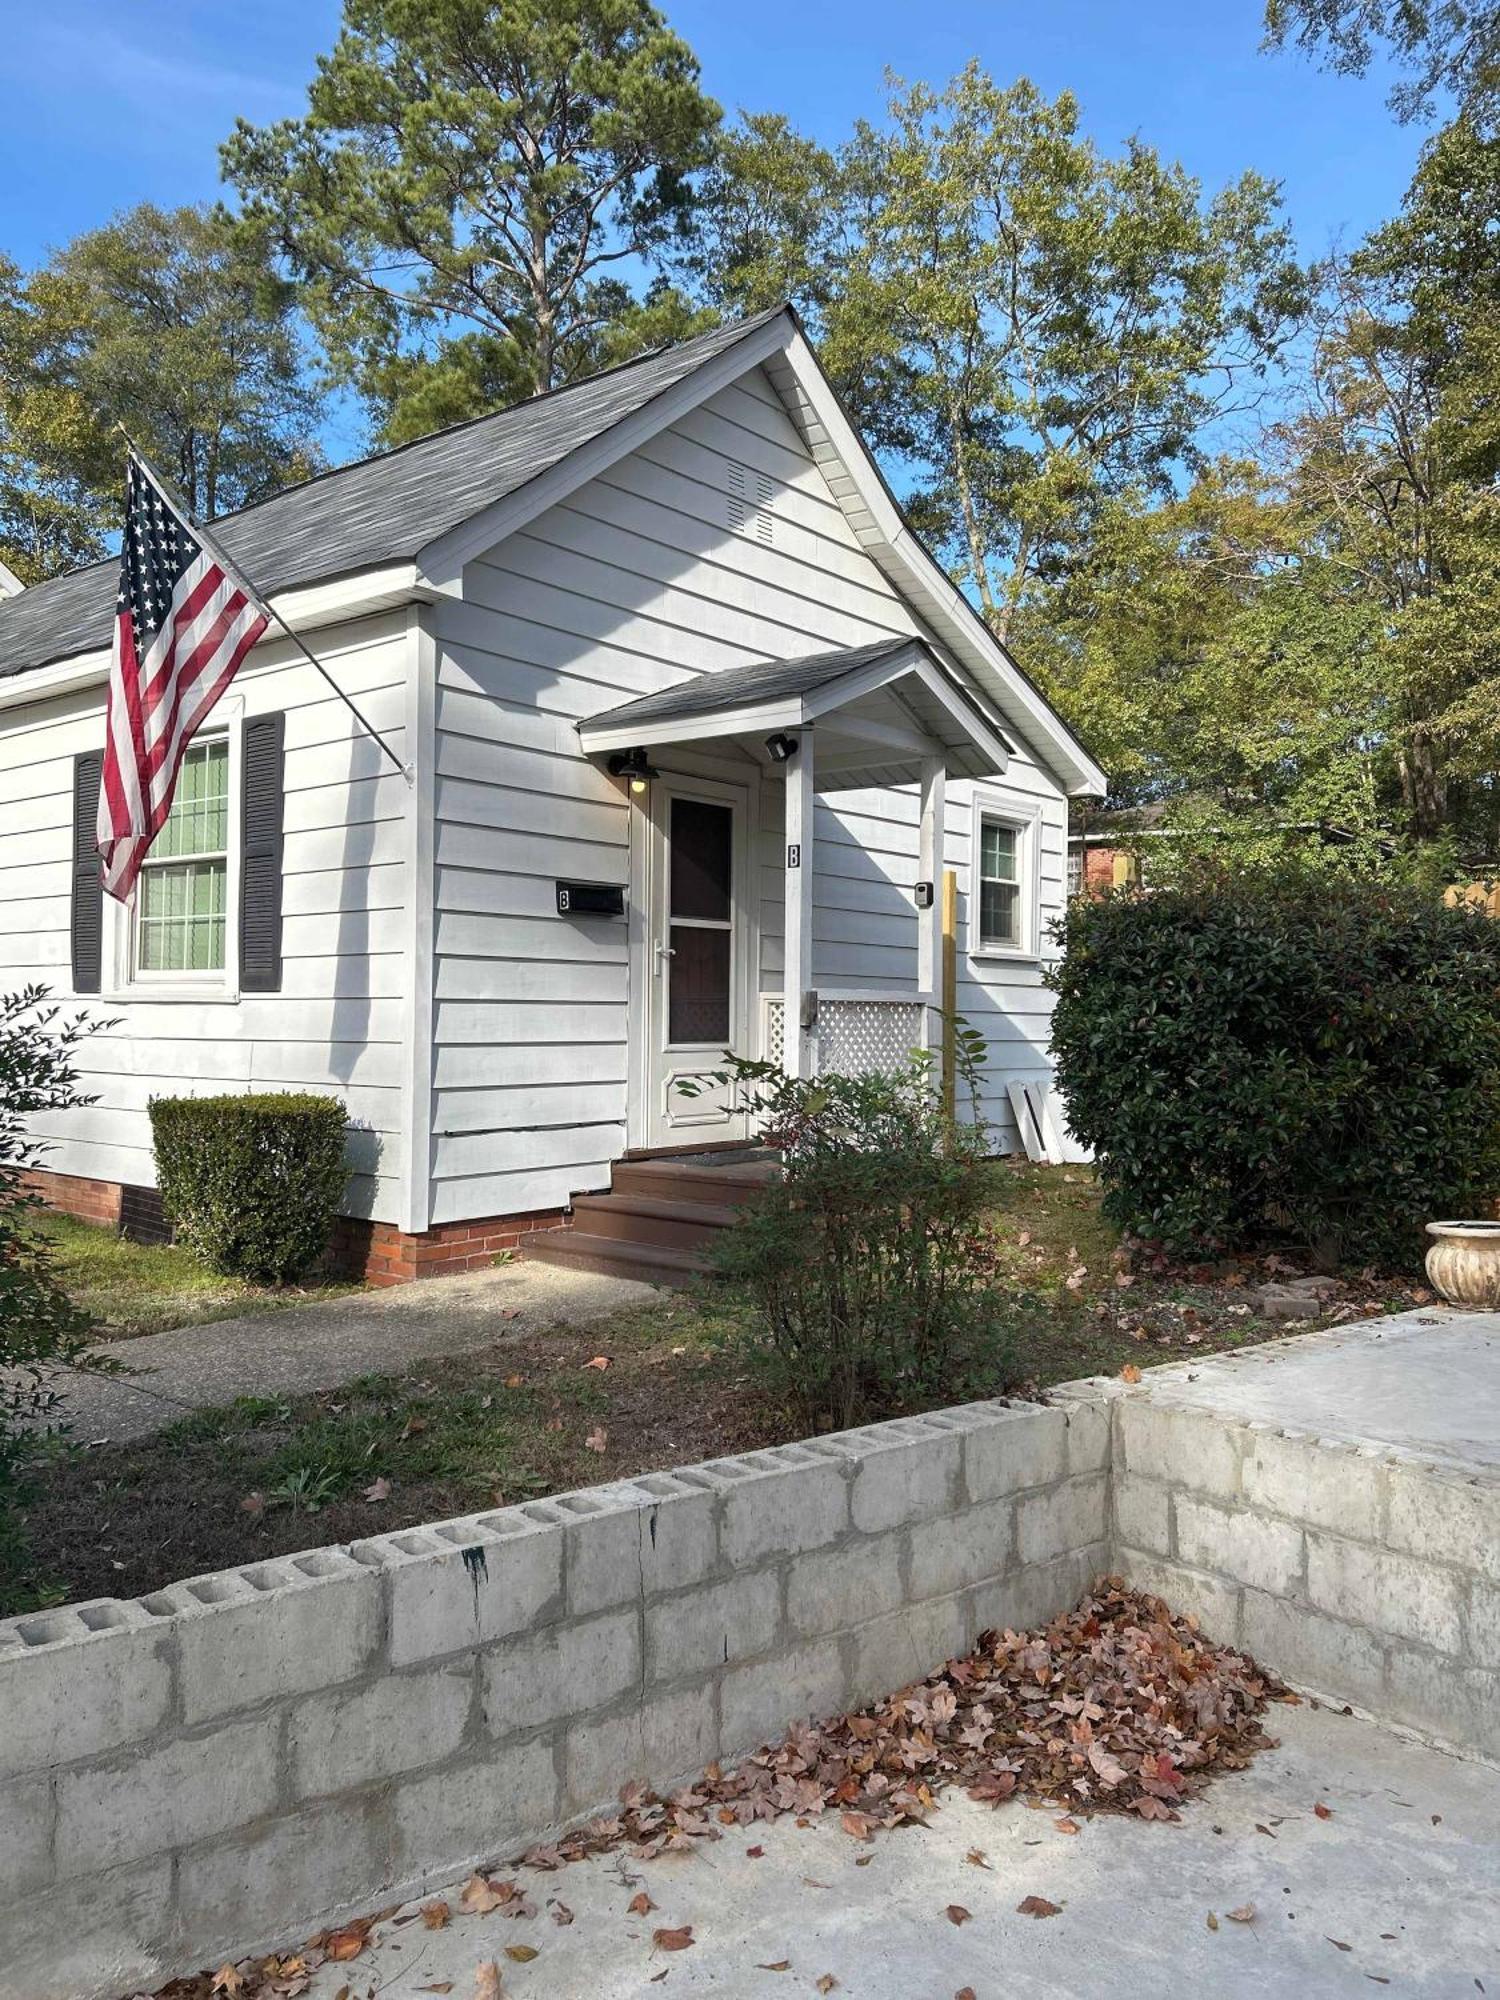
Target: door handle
[(662, 951)]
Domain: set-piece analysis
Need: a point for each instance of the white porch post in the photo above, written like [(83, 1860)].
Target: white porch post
[(930, 870), (797, 1042)]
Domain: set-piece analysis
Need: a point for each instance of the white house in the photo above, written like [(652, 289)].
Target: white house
[(693, 725)]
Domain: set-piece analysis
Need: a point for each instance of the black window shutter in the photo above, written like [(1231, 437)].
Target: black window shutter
[(261, 793), (88, 889)]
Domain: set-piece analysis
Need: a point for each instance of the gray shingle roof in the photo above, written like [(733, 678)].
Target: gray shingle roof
[(381, 510), (740, 687)]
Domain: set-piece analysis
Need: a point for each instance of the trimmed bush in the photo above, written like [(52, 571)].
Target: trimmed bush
[(252, 1183), (1310, 1061)]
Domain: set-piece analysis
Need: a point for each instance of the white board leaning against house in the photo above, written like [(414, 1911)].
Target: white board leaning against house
[(696, 726)]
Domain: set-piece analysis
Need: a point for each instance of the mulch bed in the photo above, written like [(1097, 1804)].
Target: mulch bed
[(1118, 1706)]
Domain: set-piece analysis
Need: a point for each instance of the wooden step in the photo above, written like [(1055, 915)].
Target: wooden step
[(690, 1181), (686, 1225), (578, 1250)]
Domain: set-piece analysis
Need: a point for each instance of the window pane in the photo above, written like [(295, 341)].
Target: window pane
[(182, 927), (698, 989), (999, 911), (997, 851), (199, 820), (700, 840)]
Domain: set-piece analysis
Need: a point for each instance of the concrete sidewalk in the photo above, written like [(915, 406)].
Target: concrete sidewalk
[(1399, 1886), (324, 1343)]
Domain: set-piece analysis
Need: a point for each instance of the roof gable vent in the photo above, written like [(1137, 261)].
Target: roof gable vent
[(750, 502)]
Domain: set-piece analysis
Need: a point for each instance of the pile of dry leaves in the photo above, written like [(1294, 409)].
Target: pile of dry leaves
[(1119, 1705)]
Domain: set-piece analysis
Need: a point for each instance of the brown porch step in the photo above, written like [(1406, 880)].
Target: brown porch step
[(729, 1186), (578, 1250), (640, 1218)]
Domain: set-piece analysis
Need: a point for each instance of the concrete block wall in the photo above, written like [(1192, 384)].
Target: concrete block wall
[(229, 1763), (1362, 1573)]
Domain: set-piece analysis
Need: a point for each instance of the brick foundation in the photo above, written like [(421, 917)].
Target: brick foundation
[(378, 1252)]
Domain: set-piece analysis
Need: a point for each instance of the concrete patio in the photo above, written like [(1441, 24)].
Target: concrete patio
[(1399, 1886)]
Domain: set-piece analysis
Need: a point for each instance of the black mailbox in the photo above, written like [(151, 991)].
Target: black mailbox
[(590, 899)]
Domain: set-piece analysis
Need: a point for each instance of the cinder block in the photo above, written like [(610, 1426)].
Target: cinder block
[(274, 1629), (480, 1809), (1019, 1448), (757, 1704), (395, 1723), (272, 1884), (1038, 1592), (1088, 1432), (1393, 1593), (671, 1737), (903, 1472), (1318, 1654), (906, 1646), (1209, 1601), (1320, 1484), (497, 1576), (701, 1630), (1250, 1548), (25, 1833), (167, 1794), (787, 1503), (961, 1549), (1456, 1706), (564, 1670), (1184, 1447), (111, 1939), (1482, 1625), (1143, 1514), (81, 1682), (1061, 1518), (839, 1588), (1442, 1514), (655, 1534)]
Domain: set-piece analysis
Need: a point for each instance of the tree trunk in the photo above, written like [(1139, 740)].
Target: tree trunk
[(975, 539)]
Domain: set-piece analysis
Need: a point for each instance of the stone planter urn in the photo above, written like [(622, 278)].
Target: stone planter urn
[(1463, 1262)]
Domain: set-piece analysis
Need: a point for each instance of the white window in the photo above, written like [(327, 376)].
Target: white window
[(1003, 914), (182, 893), (1075, 870)]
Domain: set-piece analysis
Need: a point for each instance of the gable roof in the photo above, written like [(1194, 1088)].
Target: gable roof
[(740, 687), (379, 510)]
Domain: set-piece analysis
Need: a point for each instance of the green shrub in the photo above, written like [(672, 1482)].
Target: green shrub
[(252, 1183), (1311, 1061), (872, 1263)]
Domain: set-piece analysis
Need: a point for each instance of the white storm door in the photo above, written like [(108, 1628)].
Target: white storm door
[(697, 971)]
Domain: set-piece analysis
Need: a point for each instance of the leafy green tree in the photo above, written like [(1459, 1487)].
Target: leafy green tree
[(1447, 46), (469, 185), (173, 324)]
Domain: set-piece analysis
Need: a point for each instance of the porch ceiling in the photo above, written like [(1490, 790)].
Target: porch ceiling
[(881, 711)]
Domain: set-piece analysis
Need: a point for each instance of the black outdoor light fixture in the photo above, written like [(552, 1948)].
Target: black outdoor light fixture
[(781, 748), (632, 764)]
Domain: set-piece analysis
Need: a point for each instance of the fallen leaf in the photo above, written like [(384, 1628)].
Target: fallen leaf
[(1130, 1373), (346, 1944), (479, 1897), (228, 1979), (515, 1381), (1339, 1945), (1322, 1811), (957, 1914), (858, 1826), (487, 1981), (754, 1853), (776, 1965), (561, 1914), (827, 1983), (673, 1940), (523, 1954), (1066, 1825), (1245, 1914), (437, 1986), (597, 1439), (599, 1361), (378, 1489), (976, 1858), (640, 1905), (253, 1504), (1037, 1906), (964, 1993), (1213, 1922), (436, 1914)]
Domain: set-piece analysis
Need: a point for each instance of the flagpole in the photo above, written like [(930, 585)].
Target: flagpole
[(210, 543)]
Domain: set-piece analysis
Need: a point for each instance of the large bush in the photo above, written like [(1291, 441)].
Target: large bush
[(1254, 1059), (251, 1183), (41, 1330), (872, 1263)]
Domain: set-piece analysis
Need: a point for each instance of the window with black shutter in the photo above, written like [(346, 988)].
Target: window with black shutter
[(88, 890), (261, 799)]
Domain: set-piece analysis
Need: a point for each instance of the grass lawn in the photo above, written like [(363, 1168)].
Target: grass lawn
[(135, 1288), (538, 1414)]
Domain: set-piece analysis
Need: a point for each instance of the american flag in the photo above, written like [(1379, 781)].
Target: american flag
[(183, 622)]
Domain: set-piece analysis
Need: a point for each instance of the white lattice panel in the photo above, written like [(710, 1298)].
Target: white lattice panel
[(857, 1036), (775, 1040)]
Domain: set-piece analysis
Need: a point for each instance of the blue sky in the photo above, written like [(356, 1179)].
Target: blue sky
[(106, 106)]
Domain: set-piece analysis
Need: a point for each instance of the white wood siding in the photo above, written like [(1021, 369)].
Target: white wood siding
[(338, 1023), (633, 584)]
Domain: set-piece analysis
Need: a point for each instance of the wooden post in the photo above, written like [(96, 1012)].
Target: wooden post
[(950, 990), (797, 979)]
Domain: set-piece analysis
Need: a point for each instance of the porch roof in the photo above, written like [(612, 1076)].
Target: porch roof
[(883, 710)]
